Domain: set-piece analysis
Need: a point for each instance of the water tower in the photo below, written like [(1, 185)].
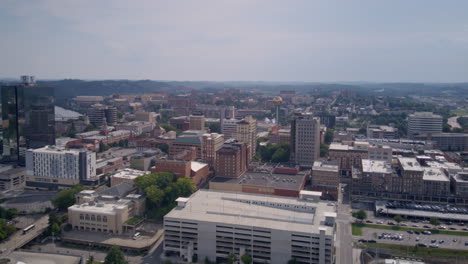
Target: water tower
[(278, 101)]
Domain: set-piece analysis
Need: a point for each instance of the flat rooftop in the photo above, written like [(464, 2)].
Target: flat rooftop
[(101, 208), (273, 180), (129, 173), (376, 166), (410, 164), (434, 174), (253, 210)]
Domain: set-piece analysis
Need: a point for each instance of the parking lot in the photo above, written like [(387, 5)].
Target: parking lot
[(449, 241), (31, 201)]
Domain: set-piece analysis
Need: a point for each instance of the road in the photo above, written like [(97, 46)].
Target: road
[(85, 252), (154, 254), (344, 238), (18, 240)]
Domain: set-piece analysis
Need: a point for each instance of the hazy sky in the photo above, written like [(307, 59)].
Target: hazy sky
[(284, 40)]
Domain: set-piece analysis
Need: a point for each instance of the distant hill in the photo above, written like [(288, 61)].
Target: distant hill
[(69, 88)]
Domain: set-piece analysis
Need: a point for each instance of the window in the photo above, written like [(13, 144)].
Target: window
[(104, 218), (81, 217), (98, 218), (87, 217)]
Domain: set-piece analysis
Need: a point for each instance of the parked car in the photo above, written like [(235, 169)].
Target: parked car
[(417, 239), (417, 232), (391, 223), (369, 221), (427, 232), (371, 241), (379, 222), (452, 228), (434, 246), (441, 241), (410, 231), (422, 245), (466, 243)]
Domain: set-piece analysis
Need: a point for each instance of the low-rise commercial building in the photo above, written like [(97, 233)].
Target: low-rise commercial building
[(325, 177), (11, 178), (447, 141), (126, 176), (107, 209), (136, 127), (378, 131), (268, 183), (271, 229)]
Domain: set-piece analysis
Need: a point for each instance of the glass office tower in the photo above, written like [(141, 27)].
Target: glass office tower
[(28, 118)]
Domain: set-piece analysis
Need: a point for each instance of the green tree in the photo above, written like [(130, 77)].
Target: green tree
[(154, 194), (231, 258), (246, 259), (164, 148), (446, 128), (115, 256), (168, 128), (90, 260), (215, 128), (434, 221), (360, 215), (66, 198), (185, 187), (280, 155), (398, 219), (324, 150), (292, 261), (329, 136)]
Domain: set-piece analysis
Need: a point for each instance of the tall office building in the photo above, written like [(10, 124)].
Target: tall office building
[(28, 118), (423, 123), (305, 139), (247, 133), (211, 144), (197, 121), (232, 159), (229, 128)]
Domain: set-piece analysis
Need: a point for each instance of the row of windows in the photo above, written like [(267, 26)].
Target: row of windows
[(97, 218)]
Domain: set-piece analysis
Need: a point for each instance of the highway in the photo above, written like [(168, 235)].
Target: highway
[(17, 240)]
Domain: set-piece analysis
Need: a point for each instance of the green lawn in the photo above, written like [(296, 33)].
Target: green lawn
[(421, 251), (357, 229)]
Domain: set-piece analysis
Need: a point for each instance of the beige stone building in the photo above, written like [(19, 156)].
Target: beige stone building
[(197, 121), (106, 210), (211, 143), (247, 133)]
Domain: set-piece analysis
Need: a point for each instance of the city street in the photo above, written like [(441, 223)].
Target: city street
[(344, 239), (86, 252)]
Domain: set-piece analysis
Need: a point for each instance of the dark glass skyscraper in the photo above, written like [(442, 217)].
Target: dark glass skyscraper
[(28, 118)]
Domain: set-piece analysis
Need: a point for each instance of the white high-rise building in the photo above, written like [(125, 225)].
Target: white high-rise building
[(423, 123), (229, 128), (271, 229), (50, 164)]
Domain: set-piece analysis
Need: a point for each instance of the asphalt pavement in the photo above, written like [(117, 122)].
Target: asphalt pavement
[(344, 238)]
